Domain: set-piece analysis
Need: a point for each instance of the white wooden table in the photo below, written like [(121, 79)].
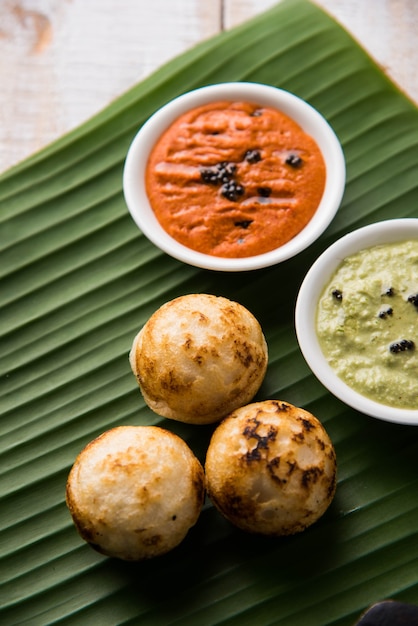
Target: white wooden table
[(61, 61)]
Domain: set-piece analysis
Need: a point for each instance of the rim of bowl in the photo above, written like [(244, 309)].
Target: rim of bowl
[(388, 231), (303, 113)]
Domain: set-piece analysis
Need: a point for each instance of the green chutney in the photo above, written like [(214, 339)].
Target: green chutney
[(367, 323)]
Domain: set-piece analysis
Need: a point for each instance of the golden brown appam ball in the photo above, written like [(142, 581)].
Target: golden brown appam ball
[(271, 468), (198, 358), (135, 491)]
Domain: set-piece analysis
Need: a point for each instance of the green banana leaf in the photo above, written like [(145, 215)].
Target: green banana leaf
[(78, 280)]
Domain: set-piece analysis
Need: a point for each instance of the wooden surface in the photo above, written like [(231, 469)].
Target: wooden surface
[(61, 61)]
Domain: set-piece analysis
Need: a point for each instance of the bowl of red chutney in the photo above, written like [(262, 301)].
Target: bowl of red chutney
[(356, 319), (234, 176)]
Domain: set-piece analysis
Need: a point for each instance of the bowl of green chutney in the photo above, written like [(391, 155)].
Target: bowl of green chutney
[(356, 320)]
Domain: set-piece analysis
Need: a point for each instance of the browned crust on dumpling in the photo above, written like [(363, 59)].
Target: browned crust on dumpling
[(271, 468), (199, 357), (134, 492)]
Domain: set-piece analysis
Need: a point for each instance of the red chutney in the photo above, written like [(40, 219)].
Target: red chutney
[(234, 179)]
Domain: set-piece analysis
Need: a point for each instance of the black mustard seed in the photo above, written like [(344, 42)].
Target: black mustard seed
[(294, 160), (413, 299), (401, 346), (219, 173), (243, 223), (264, 192), (232, 190), (252, 156), (384, 314)]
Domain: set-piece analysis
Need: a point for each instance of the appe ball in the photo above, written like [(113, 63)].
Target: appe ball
[(198, 358), (271, 468), (135, 491)]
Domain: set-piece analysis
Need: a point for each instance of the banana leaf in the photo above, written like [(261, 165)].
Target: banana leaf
[(78, 280)]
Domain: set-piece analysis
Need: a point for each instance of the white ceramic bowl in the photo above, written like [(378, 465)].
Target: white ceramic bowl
[(308, 118), (306, 305)]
